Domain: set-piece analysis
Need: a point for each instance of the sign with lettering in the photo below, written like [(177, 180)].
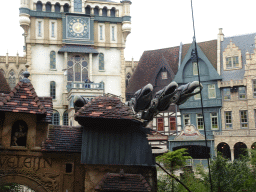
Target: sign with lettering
[(29, 162), (189, 132)]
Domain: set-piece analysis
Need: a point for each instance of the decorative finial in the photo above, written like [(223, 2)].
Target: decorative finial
[(25, 74)]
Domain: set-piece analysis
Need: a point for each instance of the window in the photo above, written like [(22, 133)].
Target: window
[(128, 77), (228, 119), (78, 5), (57, 8), (226, 94), (254, 87), (101, 61), (244, 119), (53, 89), (195, 69), (19, 134), (96, 11), (214, 120), (66, 8), (101, 32), (104, 12), (211, 91), (172, 123), (232, 62), (197, 96), (53, 60), (88, 10), (55, 118), (164, 75), (200, 121), (160, 124), (65, 118), (241, 92), (77, 69), (113, 33), (12, 79), (39, 6), (113, 12), (53, 29), (48, 7), (39, 28), (186, 118)]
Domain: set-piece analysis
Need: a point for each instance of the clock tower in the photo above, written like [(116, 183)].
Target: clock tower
[(75, 47)]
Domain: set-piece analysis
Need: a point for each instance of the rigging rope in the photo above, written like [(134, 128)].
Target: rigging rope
[(194, 39)]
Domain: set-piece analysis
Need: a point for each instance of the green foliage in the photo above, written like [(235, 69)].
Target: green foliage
[(174, 159), (11, 187)]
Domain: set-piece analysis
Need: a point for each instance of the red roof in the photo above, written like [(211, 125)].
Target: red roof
[(123, 182), (23, 99)]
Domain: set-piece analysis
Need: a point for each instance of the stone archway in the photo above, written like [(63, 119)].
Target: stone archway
[(240, 149), (224, 149), (22, 180)]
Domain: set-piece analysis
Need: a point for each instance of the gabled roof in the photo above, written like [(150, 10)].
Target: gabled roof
[(123, 182), (63, 139), (149, 65), (4, 87), (23, 99), (47, 103)]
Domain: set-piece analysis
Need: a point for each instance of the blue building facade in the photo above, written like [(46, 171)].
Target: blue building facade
[(191, 111)]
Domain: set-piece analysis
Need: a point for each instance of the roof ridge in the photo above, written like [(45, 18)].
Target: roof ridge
[(240, 35)]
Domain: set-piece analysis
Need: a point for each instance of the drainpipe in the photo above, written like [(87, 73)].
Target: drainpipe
[(180, 53)]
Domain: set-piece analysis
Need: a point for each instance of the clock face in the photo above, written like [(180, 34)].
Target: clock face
[(78, 27)]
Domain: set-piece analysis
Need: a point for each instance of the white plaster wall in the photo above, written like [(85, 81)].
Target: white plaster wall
[(41, 74), (111, 76)]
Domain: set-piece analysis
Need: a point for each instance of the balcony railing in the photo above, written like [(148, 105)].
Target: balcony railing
[(240, 132), (90, 86)]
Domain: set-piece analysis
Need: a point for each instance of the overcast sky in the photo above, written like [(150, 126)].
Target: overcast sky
[(155, 24)]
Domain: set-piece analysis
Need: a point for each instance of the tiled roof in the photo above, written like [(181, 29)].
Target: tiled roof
[(63, 139), (149, 64), (123, 182), (4, 87), (107, 107), (47, 103), (209, 48), (23, 99), (156, 136)]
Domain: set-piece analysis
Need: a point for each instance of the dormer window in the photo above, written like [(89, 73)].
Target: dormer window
[(232, 62), (232, 57), (164, 75)]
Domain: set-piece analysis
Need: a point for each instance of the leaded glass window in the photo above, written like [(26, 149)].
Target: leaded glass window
[(211, 91), (200, 121), (226, 94), (228, 119), (242, 93), (214, 120), (77, 69), (101, 61), (53, 29), (244, 119), (65, 118), (53, 60), (53, 89), (12, 79), (55, 118)]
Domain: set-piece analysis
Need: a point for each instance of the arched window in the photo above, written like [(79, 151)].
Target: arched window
[(57, 8), (19, 134), (78, 5), (12, 79), (55, 117), (66, 8), (2, 71), (101, 61), (65, 118), (96, 11), (77, 69), (21, 74), (128, 77), (53, 89), (113, 12), (87, 10), (53, 60), (48, 7), (104, 12), (39, 6)]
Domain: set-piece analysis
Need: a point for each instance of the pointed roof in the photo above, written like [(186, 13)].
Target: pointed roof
[(23, 99), (4, 87)]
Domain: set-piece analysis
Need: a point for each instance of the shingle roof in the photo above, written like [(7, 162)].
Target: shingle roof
[(23, 99), (148, 65), (47, 103), (4, 87), (63, 139), (107, 107), (123, 182)]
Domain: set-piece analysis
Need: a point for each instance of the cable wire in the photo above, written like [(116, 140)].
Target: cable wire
[(202, 107)]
